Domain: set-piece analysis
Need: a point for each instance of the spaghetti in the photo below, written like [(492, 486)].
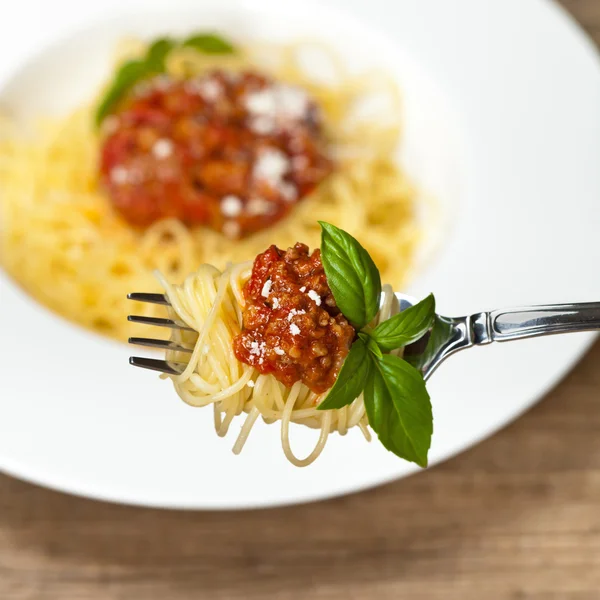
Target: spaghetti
[(64, 243), (211, 302)]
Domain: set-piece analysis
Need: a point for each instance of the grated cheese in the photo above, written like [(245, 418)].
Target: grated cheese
[(210, 90), (231, 206), (263, 125), (279, 102), (257, 349), (289, 191), (259, 206), (119, 175), (266, 289), (314, 296), (162, 148), (271, 166), (295, 312)]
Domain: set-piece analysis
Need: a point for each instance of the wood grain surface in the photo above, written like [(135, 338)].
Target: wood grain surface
[(516, 518)]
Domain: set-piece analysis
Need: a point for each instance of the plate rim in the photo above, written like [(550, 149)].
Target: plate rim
[(586, 341)]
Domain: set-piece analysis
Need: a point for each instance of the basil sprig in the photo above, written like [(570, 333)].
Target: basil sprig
[(157, 53), (352, 275), (396, 399), (442, 332), (209, 43), (153, 63), (128, 74), (351, 379), (407, 326), (399, 408)]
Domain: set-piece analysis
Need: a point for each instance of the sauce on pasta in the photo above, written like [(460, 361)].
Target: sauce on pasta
[(232, 151), (219, 308), (292, 327), (63, 241)]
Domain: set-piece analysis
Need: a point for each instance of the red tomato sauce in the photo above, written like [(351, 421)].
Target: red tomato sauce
[(292, 327), (234, 152)]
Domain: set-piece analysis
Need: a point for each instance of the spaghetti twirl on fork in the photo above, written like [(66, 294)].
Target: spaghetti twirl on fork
[(295, 337)]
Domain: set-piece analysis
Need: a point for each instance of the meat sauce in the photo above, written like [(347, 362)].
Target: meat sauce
[(292, 327), (234, 152)]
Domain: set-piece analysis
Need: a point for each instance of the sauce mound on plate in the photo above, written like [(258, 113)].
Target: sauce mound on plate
[(232, 151), (292, 327)]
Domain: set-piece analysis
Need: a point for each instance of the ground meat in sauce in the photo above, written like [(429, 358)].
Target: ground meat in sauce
[(292, 327), (232, 152)]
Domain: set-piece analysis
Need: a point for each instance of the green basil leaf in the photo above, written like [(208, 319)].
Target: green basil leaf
[(399, 408), (407, 326), (157, 52), (126, 77), (422, 354), (352, 275), (371, 344), (351, 379), (209, 43), (134, 70)]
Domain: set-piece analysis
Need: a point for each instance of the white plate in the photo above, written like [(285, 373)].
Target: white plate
[(503, 125)]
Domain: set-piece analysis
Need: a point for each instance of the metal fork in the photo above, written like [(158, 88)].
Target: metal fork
[(448, 335)]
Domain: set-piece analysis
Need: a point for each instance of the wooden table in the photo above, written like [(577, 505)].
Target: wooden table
[(516, 518)]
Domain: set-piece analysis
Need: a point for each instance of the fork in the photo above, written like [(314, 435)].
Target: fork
[(447, 336)]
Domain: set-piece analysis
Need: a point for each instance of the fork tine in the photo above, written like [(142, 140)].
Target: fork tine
[(158, 322), (152, 298), (154, 364), (161, 344)]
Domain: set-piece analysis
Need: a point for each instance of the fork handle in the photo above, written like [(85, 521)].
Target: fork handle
[(533, 321)]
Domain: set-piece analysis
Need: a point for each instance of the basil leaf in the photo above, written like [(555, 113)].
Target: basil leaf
[(128, 74), (371, 344), (134, 70), (399, 408), (422, 354), (351, 379), (157, 52), (407, 326), (209, 43), (352, 275)]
